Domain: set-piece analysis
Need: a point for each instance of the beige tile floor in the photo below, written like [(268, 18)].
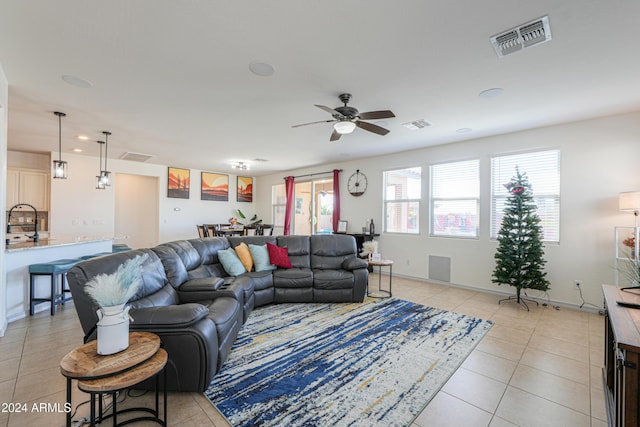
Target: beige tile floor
[(537, 368)]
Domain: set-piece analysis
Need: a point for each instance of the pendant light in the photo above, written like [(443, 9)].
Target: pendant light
[(59, 166), (100, 185), (105, 174)]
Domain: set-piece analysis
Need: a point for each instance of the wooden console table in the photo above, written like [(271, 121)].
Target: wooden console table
[(622, 357), (97, 374)]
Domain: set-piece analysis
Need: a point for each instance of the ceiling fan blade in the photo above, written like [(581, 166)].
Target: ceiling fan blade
[(327, 109), (335, 136), (313, 123), (372, 128), (374, 115)]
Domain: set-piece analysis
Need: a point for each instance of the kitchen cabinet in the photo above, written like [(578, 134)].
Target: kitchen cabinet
[(28, 186)]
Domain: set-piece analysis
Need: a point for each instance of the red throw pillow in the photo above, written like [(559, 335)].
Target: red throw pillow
[(279, 256)]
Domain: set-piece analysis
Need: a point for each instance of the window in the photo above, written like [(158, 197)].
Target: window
[(455, 195), (278, 204), (402, 192), (543, 172)]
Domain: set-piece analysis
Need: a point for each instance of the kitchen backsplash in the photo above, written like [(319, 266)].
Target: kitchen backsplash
[(23, 221)]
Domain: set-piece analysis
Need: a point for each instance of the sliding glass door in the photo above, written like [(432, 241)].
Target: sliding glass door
[(312, 207)]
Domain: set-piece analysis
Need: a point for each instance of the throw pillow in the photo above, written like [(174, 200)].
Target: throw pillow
[(260, 255), (230, 262), (279, 256), (242, 250)]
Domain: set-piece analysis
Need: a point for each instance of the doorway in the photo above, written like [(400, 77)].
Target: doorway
[(313, 208), (137, 206)]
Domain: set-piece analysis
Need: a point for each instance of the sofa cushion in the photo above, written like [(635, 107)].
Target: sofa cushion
[(332, 279), (298, 249), (279, 256), (231, 263), (261, 260), (242, 250), (293, 278)]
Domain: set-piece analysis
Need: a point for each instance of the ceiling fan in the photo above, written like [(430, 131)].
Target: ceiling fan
[(346, 119)]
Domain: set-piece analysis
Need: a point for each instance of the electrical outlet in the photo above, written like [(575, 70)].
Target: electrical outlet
[(577, 284)]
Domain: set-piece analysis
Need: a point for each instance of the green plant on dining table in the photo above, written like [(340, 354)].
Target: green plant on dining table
[(248, 222)]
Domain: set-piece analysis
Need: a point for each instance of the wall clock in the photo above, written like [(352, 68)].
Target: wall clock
[(357, 184)]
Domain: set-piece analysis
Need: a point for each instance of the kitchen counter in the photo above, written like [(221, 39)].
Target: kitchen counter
[(52, 241), (18, 257)]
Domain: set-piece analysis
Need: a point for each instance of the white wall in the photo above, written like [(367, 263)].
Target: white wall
[(77, 208), (4, 101), (19, 159), (599, 159)]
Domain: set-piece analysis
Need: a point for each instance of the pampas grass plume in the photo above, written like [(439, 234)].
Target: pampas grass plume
[(115, 289)]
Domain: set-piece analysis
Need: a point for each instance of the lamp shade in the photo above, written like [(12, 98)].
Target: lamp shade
[(629, 201), (345, 126)]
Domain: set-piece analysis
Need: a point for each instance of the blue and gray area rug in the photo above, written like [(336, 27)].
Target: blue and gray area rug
[(372, 364)]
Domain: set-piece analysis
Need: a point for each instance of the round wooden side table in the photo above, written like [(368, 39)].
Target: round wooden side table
[(382, 293), (99, 374)]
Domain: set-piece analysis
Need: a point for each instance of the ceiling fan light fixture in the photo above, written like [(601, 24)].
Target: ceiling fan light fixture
[(344, 127)]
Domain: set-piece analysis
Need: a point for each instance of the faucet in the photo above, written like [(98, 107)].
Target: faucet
[(35, 236)]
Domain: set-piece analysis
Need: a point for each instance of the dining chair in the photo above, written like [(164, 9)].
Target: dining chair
[(212, 230), (250, 230), (202, 232), (266, 229)]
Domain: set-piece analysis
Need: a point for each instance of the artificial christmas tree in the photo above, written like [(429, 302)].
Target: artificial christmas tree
[(519, 259)]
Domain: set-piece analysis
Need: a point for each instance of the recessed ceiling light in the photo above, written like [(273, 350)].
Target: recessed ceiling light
[(260, 68), (491, 93), (77, 150), (83, 137), (464, 130), (77, 81)]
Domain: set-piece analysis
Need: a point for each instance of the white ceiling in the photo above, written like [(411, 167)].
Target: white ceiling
[(171, 78)]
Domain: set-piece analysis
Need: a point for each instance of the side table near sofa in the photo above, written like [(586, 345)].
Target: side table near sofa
[(382, 293), (97, 374)]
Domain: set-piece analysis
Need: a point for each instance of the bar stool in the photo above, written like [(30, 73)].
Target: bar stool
[(85, 257), (53, 269)]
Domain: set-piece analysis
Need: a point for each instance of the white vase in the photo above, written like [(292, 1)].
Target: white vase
[(113, 329)]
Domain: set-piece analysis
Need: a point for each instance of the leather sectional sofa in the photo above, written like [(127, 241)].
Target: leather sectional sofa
[(198, 308)]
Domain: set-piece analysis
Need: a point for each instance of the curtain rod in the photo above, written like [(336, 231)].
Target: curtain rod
[(312, 174)]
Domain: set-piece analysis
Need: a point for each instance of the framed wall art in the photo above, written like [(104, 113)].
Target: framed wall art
[(245, 189), (214, 186), (178, 183)]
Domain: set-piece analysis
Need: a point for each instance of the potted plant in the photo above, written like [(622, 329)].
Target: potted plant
[(111, 292), (250, 222)]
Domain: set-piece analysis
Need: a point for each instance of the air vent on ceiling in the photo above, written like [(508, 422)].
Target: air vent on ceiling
[(522, 36), (135, 157), (417, 124)]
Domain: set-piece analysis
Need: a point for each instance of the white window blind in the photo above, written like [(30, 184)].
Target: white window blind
[(543, 172), (454, 203), (402, 195)]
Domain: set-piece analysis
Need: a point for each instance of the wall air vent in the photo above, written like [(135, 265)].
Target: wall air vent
[(135, 157), (521, 37), (417, 124)]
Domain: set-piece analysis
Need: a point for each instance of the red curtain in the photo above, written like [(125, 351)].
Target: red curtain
[(289, 184), (336, 199)]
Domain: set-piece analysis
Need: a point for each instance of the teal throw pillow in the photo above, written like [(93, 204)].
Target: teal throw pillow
[(260, 256), (231, 263)]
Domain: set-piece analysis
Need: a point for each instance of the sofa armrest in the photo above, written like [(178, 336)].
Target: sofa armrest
[(354, 263), (204, 284), (168, 316)]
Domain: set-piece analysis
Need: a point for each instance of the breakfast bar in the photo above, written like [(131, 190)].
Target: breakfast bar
[(18, 257)]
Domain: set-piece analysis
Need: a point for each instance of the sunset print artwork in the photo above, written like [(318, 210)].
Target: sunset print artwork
[(245, 189), (178, 183), (214, 186)]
